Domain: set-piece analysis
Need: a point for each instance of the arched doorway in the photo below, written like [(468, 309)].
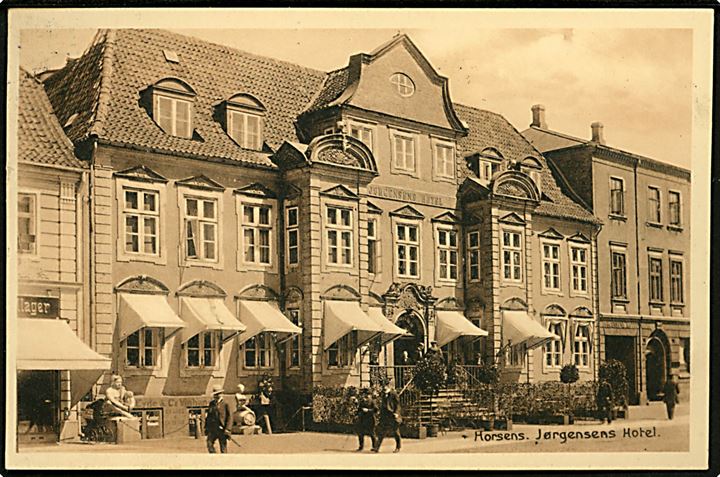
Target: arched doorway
[(409, 344), (655, 368)]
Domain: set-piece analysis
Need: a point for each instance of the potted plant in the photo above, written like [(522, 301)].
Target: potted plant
[(430, 376)]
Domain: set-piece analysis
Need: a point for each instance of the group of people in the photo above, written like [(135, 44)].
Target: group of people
[(378, 419)]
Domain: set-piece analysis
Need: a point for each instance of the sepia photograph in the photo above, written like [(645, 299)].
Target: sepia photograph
[(369, 236)]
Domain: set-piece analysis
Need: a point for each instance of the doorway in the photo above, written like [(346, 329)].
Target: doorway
[(655, 368), (38, 394), (407, 348)]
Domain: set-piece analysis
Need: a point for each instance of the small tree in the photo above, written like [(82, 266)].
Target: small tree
[(488, 373), (615, 373), (569, 374), (430, 375)]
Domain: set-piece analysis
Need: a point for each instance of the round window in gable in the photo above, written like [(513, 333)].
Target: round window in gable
[(403, 84)]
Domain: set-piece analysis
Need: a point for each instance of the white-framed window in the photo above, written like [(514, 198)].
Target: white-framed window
[(340, 354), (141, 221), (364, 132), (618, 277), (677, 283), (200, 235), (256, 230), (654, 205), (674, 217), (655, 275), (142, 348), (579, 269), (551, 266), (444, 160), (404, 159), (339, 235), (294, 344), (486, 169), (617, 196), (245, 129), (258, 351), (201, 351), (407, 249), (403, 84), (473, 249), (173, 114), (447, 253), (372, 245), (581, 345), (554, 348), (512, 255), (27, 223), (292, 237)]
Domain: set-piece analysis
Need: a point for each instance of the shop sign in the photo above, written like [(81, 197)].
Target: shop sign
[(405, 195), (38, 307)]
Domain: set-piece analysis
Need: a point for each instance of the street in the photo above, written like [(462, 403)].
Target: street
[(647, 430)]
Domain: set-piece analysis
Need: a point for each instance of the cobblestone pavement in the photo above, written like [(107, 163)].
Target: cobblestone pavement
[(647, 430)]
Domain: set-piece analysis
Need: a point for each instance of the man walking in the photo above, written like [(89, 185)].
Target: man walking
[(218, 421), (390, 418), (605, 400), (671, 391), (366, 420)]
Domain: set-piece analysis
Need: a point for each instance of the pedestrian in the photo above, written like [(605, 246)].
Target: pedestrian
[(218, 421), (605, 400), (390, 418), (671, 391), (366, 419)]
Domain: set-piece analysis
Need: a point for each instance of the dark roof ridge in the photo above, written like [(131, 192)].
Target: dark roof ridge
[(104, 94), (559, 134)]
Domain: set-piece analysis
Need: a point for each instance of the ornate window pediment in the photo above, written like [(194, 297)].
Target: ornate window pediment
[(373, 209), (554, 311), (258, 292), (200, 182), (257, 189), (579, 237), (141, 173), (407, 212), (341, 292), (512, 218), (142, 284), (516, 185), (343, 151), (201, 288), (291, 192), (551, 233), (516, 304), (446, 218), (582, 312), (340, 192)]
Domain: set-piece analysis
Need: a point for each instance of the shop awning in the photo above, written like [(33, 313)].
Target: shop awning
[(451, 325), (265, 316), (519, 327), (343, 317), (44, 344), (390, 330), (207, 314), (138, 311)]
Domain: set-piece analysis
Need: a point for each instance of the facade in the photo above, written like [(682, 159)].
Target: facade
[(54, 358), (250, 217), (644, 250)]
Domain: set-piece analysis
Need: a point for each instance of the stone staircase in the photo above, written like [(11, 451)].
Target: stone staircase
[(449, 406)]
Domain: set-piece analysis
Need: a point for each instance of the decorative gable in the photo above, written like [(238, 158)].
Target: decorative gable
[(340, 192), (200, 182), (551, 233), (201, 288), (141, 173), (257, 190), (446, 218), (578, 237), (512, 219), (373, 209), (142, 284), (407, 212), (516, 185)]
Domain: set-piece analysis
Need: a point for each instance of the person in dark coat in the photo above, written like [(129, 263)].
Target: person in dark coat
[(671, 391), (366, 420), (605, 400), (390, 418), (218, 421)]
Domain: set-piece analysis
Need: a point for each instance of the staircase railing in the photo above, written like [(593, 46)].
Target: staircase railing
[(470, 372)]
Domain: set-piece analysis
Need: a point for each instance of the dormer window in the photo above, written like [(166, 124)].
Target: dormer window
[(172, 107), (488, 165), (244, 121)]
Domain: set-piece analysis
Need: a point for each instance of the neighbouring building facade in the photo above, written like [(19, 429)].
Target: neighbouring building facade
[(644, 247), (251, 217), (55, 365)]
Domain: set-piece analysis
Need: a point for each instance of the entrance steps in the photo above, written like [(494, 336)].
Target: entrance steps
[(449, 404)]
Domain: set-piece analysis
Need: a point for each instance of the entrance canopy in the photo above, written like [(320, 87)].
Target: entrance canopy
[(451, 325), (45, 344), (138, 311), (519, 327), (343, 317), (390, 330), (207, 314), (265, 316)]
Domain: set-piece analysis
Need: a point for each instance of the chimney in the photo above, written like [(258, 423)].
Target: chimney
[(597, 132), (538, 116)]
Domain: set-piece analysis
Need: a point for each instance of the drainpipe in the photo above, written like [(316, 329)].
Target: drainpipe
[(82, 219), (91, 248), (640, 354)]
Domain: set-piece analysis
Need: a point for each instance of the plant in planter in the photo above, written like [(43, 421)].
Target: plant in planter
[(569, 374), (615, 373), (430, 376)]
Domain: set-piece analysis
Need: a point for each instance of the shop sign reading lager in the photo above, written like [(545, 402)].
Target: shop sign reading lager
[(38, 307)]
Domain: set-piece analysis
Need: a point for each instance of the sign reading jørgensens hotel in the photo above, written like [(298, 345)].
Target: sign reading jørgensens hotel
[(38, 307), (404, 195)]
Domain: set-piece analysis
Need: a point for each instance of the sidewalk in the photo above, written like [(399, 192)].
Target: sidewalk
[(669, 436)]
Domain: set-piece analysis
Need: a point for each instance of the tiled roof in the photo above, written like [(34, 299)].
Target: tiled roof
[(488, 129), (335, 83), (104, 88), (545, 140), (41, 139)]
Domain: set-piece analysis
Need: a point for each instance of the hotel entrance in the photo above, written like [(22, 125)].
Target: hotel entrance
[(38, 403)]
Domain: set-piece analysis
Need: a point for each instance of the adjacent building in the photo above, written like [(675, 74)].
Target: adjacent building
[(644, 250)]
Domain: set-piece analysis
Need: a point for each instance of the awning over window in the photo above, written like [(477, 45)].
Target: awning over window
[(44, 344), (451, 325), (343, 317), (265, 316), (390, 330), (207, 314), (138, 311), (519, 327)]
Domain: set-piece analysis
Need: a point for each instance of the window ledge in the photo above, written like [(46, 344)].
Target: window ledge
[(620, 300), (656, 225), (675, 228), (622, 218), (125, 257), (130, 371), (405, 173), (656, 303), (192, 263), (451, 180), (545, 291), (677, 305)]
